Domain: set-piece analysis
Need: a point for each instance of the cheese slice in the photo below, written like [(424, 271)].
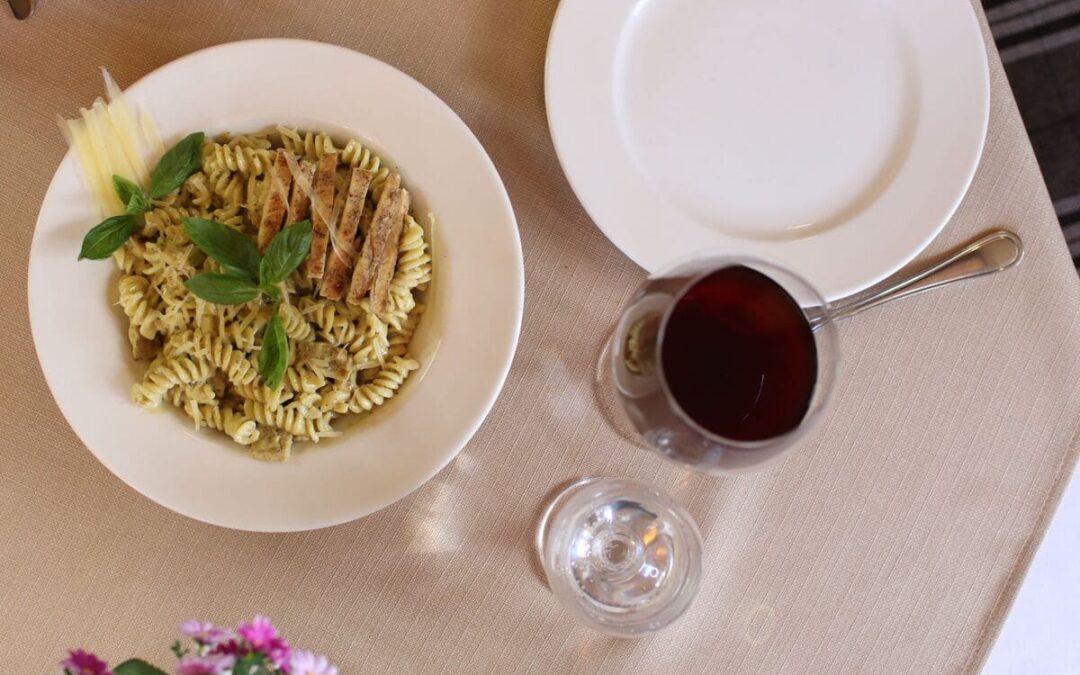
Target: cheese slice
[(111, 139)]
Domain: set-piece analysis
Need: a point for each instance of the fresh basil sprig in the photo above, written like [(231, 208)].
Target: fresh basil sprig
[(274, 355), (172, 170), (222, 289), (131, 194), (237, 255), (285, 253), (176, 165), (107, 236), (247, 275)]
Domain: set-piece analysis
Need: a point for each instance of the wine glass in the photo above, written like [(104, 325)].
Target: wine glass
[(620, 555), (719, 364)]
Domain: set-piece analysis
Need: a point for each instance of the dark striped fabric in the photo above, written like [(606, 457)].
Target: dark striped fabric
[(1039, 41)]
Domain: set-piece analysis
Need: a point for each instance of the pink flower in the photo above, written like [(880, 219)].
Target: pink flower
[(278, 652), (80, 662), (229, 647), (258, 633), (309, 663), (213, 664), (205, 633)]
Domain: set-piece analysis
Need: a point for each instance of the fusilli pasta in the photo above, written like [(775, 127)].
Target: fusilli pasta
[(203, 356)]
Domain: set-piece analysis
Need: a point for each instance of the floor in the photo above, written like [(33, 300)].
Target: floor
[(1039, 42)]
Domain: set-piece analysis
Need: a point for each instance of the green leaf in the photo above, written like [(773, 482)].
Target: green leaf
[(137, 667), (178, 649), (285, 253), (222, 289), (131, 194), (176, 165), (274, 355), (236, 254), (107, 236), (252, 664), (272, 292)]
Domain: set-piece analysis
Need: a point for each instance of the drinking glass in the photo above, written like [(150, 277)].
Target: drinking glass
[(632, 386), (620, 555)]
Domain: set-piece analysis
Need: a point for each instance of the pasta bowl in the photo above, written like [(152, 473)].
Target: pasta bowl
[(464, 342)]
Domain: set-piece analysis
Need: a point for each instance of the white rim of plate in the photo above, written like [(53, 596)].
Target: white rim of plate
[(587, 120), (455, 156)]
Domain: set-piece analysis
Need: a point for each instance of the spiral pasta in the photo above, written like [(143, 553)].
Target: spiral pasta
[(296, 325), (163, 222), (260, 393), (164, 374), (202, 357), (196, 189), (235, 363), (332, 319), (383, 386), (414, 263), (129, 257), (237, 426), (137, 305), (242, 159), (303, 379), (290, 418)]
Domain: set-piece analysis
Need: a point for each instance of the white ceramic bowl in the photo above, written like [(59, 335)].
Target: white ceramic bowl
[(465, 341)]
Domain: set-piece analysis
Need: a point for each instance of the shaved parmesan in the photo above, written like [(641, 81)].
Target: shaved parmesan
[(111, 139)]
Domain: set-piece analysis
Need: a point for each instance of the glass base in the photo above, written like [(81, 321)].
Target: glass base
[(621, 556), (608, 401)]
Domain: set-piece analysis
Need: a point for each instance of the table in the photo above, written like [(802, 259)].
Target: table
[(1039, 635), (892, 540)]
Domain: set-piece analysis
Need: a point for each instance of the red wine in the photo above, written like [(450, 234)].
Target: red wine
[(739, 356)]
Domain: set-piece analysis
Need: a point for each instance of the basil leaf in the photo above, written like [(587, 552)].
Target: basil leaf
[(131, 194), (222, 289), (176, 165), (286, 251), (236, 254), (272, 292), (274, 355), (107, 236), (137, 667)]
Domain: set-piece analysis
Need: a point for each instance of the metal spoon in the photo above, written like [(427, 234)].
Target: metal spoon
[(993, 252)]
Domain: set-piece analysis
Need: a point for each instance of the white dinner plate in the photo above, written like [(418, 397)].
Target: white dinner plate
[(465, 341), (834, 137)]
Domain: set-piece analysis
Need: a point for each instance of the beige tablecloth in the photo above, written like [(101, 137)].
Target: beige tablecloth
[(892, 541)]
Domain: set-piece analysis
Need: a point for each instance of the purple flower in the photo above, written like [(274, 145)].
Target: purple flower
[(205, 633), (80, 662), (212, 664), (309, 663), (259, 633)]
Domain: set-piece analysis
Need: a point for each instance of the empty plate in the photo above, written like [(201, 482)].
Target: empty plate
[(835, 138)]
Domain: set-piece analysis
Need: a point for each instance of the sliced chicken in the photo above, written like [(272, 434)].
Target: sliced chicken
[(274, 209), (342, 253), (378, 257), (386, 264), (323, 207), (300, 203), (381, 221)]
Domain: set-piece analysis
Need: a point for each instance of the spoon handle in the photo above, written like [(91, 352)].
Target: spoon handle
[(22, 9), (993, 252)]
